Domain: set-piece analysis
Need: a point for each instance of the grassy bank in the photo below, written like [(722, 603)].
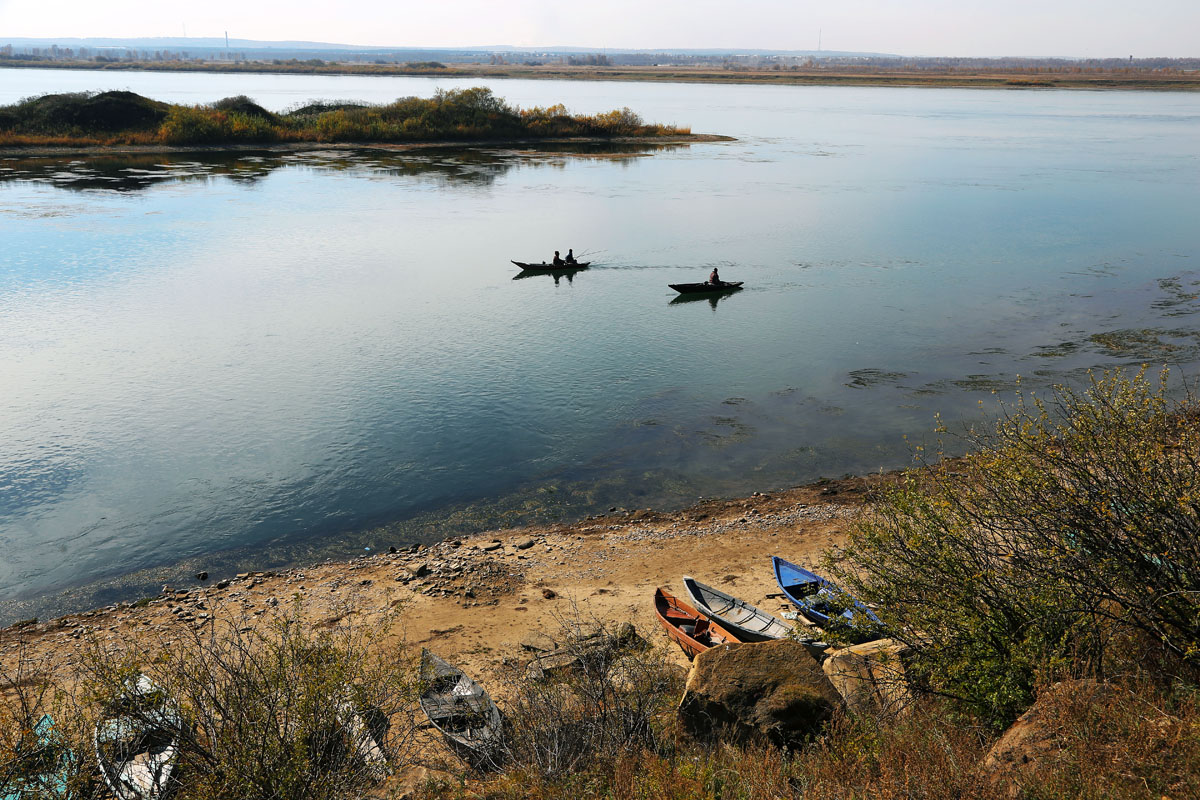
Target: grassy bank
[(1141, 79), (476, 114), (259, 725)]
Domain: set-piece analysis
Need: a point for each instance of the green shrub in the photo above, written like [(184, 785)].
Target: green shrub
[(41, 735), (1072, 529), (610, 701)]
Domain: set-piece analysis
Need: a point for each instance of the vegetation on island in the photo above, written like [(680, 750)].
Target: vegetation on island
[(1063, 552), (456, 115)]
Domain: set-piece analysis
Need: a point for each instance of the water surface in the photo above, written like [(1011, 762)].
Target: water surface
[(262, 358)]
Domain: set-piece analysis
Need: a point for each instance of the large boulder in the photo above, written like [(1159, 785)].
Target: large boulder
[(1036, 741), (773, 691), (870, 677)]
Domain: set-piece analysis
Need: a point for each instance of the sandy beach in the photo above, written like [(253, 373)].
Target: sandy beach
[(475, 599)]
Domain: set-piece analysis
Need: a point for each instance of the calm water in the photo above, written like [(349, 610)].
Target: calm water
[(217, 362)]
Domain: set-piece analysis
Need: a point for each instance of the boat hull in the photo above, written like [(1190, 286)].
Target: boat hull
[(812, 594), (706, 288), (544, 267), (137, 750), (748, 623), (693, 632), (462, 711)]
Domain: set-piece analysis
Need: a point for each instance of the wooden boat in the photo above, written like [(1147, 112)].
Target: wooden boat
[(814, 596), (137, 741), (748, 623), (685, 625), (544, 267), (462, 711), (709, 288)]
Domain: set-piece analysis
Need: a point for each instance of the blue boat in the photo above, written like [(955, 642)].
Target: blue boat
[(53, 765), (817, 598)]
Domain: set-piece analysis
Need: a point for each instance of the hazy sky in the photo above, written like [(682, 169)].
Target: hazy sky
[(1094, 28)]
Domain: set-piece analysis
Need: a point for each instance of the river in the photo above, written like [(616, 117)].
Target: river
[(231, 362)]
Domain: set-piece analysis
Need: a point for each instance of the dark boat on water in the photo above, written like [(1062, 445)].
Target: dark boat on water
[(706, 288), (691, 631), (544, 267)]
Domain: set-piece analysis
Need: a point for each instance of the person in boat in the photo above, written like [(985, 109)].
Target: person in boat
[(558, 262), (714, 278), (570, 259)]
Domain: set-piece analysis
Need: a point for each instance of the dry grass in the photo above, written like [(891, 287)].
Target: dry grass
[(1136, 742)]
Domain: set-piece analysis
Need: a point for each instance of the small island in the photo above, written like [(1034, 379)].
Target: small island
[(125, 119)]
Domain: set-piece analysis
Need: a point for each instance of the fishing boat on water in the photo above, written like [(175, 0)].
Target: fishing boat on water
[(706, 288), (693, 632), (544, 267), (462, 711)]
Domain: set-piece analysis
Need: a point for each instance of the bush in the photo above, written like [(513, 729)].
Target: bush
[(86, 112), (287, 713), (1129, 740), (40, 735), (1071, 531), (194, 125), (605, 702)]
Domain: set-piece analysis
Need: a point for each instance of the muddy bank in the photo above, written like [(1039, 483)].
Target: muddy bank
[(474, 599)]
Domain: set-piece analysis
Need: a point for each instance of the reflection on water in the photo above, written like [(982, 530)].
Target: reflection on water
[(232, 361), (712, 298), (556, 274), (452, 165)]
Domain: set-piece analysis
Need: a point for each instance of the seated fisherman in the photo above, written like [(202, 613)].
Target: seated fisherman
[(558, 262), (714, 278)]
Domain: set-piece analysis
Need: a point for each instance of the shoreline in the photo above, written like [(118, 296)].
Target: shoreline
[(472, 597), (969, 79), (44, 151)]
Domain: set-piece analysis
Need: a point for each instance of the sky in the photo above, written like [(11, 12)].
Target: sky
[(1072, 28)]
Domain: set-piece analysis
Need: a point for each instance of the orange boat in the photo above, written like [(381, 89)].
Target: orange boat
[(687, 627)]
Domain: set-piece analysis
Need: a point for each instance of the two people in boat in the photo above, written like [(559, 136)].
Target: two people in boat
[(564, 262)]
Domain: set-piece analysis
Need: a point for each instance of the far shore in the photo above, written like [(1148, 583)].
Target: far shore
[(1131, 79), (11, 151)]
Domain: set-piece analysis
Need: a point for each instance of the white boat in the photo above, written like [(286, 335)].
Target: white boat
[(136, 741), (748, 623), (366, 730)]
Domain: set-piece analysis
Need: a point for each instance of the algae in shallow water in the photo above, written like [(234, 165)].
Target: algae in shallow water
[(866, 378), (1144, 343)]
